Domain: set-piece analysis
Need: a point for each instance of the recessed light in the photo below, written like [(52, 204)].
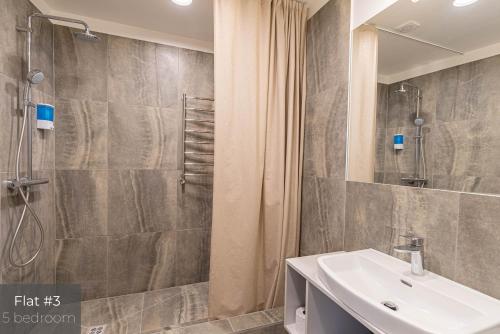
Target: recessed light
[(463, 3), (182, 2)]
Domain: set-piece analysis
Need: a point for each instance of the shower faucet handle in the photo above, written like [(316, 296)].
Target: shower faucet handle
[(24, 182)]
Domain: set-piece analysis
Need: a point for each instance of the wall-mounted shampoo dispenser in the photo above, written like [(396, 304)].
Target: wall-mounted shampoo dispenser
[(399, 141), (45, 116)]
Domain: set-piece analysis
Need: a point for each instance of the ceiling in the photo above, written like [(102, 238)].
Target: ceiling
[(466, 29), (155, 20)]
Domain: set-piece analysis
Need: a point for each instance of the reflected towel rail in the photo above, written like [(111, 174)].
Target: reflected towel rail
[(196, 131), (204, 141), (199, 98), (200, 109), (199, 120), (198, 164)]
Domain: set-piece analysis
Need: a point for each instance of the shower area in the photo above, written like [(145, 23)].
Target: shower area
[(401, 135), (117, 198)]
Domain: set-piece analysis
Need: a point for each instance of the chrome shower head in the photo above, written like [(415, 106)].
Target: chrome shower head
[(419, 121), (401, 89), (86, 35), (35, 77)]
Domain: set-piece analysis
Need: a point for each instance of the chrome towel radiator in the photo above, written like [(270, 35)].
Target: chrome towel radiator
[(198, 120)]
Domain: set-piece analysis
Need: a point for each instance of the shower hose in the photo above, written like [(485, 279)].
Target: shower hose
[(24, 193)]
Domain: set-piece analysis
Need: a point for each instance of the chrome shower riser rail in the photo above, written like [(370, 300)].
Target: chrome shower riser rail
[(22, 185)]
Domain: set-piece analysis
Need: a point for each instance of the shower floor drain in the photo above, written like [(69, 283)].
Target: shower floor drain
[(97, 330)]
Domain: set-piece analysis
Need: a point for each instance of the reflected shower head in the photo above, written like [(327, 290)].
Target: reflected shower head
[(419, 121), (401, 89), (35, 77), (86, 35)]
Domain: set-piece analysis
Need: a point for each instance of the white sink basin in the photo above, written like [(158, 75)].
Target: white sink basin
[(364, 280)]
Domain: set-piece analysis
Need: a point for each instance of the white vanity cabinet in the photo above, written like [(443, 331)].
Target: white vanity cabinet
[(324, 313)]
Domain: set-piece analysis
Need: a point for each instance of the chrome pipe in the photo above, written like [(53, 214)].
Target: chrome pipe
[(200, 109), (200, 98), (198, 120)]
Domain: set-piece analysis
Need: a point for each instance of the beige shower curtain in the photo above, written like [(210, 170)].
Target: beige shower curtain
[(260, 94), (363, 108)]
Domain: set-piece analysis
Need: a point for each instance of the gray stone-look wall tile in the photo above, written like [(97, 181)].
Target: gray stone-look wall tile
[(42, 52), (368, 217), (83, 261), (80, 66), (196, 73), (325, 133), (469, 91), (81, 136), (142, 201), (81, 203), (382, 105), (328, 33), (467, 148), (147, 142), (132, 77), (141, 262), (478, 243), (9, 107), (167, 58), (322, 227), (192, 256), (14, 13), (195, 204)]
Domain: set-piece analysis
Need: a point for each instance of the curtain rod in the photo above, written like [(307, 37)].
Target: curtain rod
[(390, 31)]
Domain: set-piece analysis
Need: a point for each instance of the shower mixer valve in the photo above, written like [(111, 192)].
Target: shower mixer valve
[(24, 183)]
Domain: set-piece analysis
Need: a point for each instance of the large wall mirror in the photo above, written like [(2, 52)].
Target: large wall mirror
[(425, 96)]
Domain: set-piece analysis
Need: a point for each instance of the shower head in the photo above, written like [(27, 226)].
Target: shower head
[(401, 89), (419, 121), (86, 35), (35, 77)]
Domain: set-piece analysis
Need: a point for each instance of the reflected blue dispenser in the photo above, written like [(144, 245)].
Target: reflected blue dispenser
[(399, 141), (45, 116)]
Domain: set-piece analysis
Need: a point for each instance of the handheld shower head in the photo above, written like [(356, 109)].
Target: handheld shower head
[(86, 35), (35, 77), (419, 121)]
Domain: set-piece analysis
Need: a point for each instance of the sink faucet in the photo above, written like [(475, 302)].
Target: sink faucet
[(416, 250)]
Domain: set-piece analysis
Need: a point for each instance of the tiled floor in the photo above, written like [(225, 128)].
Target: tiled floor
[(177, 310)]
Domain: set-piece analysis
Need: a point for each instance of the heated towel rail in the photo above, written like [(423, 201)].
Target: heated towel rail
[(197, 137)]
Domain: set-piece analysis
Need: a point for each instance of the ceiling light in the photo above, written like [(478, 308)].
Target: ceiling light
[(463, 3), (182, 2)]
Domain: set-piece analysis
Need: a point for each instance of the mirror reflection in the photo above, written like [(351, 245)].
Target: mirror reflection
[(437, 109)]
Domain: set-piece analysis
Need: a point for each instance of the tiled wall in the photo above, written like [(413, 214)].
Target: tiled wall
[(323, 198), (123, 223), (12, 13), (115, 217), (462, 231), (461, 108)]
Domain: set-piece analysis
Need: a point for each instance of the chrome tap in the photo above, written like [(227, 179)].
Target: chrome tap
[(416, 250)]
